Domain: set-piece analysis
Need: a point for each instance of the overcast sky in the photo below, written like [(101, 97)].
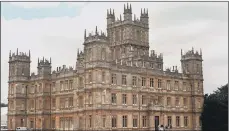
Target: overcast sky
[(56, 30)]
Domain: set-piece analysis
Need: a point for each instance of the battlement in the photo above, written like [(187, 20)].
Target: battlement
[(142, 21), (191, 54), (19, 56), (95, 37), (154, 55), (44, 62)]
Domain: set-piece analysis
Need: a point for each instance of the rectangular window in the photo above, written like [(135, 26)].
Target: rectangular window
[(144, 100), (66, 85), (185, 102), (168, 85), (53, 86), (169, 120), (123, 98), (177, 101), (104, 121), (70, 84), (124, 121), (134, 99), (151, 82), (176, 85), (159, 83), (53, 102), (103, 76), (61, 85), (113, 121), (134, 80), (185, 121), (143, 81), (135, 121), (113, 79), (113, 98), (90, 121), (53, 123), (90, 77), (123, 79), (184, 86), (80, 81), (71, 102), (144, 121), (177, 121), (168, 101)]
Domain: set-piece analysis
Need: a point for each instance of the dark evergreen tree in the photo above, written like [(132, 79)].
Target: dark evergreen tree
[(215, 110)]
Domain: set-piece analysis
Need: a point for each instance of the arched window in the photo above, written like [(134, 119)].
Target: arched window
[(103, 53)]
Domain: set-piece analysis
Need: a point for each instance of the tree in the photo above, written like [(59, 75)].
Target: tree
[(215, 110)]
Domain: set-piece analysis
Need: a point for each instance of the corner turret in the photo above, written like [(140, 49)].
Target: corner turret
[(44, 67), (110, 17), (127, 12)]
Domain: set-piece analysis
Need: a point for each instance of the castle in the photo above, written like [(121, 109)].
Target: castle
[(117, 85)]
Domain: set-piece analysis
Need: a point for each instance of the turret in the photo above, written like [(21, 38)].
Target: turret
[(19, 66), (44, 67), (110, 17), (191, 62), (127, 12), (144, 18)]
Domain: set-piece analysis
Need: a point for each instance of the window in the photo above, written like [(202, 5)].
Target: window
[(185, 121), (176, 85), (144, 100), (90, 121), (113, 121), (70, 84), (159, 66), (124, 121), (123, 98), (134, 99), (53, 86), (177, 121), (151, 82), (177, 101), (117, 38), (103, 76), (71, 102), (197, 68), (53, 102), (53, 123), (61, 86), (168, 101), (185, 102), (169, 120), (104, 121), (113, 79), (168, 85), (66, 85), (90, 53), (159, 83), (90, 77), (113, 98), (134, 80), (89, 98), (143, 81), (80, 101), (123, 79), (144, 121), (80, 81), (184, 86), (135, 121), (103, 53), (66, 102), (151, 65)]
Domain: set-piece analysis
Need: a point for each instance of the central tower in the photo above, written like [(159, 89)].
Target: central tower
[(128, 37)]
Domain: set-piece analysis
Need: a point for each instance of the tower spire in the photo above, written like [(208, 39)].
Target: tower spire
[(200, 51), (130, 9), (38, 61), (10, 54), (50, 60), (181, 52), (29, 53), (85, 34), (120, 17), (110, 10), (141, 11), (134, 17), (17, 51), (113, 11), (96, 31), (127, 6)]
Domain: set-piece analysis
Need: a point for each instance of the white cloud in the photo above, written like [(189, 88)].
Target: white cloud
[(59, 38)]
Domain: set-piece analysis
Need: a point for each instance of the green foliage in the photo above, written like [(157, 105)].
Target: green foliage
[(3, 105), (215, 110)]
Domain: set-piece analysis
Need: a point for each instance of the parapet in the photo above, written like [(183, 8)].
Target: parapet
[(19, 56), (191, 55), (95, 37), (44, 62)]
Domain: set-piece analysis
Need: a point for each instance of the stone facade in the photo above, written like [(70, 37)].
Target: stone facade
[(117, 84)]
